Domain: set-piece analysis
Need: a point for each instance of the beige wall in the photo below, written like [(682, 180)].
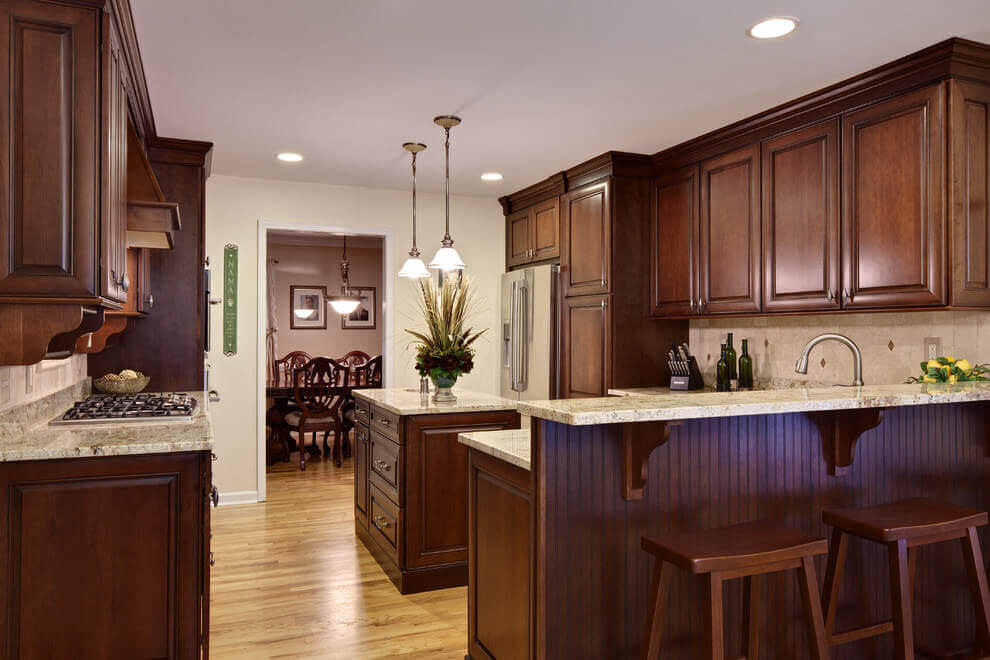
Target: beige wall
[(234, 208), (44, 378), (314, 265), (892, 344)]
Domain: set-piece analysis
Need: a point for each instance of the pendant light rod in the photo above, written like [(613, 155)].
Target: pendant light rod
[(414, 148), (447, 122)]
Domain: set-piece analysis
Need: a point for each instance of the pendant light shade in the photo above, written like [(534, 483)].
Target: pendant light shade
[(414, 268), (346, 302), (446, 258)]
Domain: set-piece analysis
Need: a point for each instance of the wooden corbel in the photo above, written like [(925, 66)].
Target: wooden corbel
[(639, 439), (63, 345), (114, 323), (840, 430)]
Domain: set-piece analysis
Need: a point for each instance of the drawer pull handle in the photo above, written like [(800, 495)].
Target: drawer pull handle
[(215, 496), (382, 465), (212, 561), (380, 522), (382, 421), (361, 411)]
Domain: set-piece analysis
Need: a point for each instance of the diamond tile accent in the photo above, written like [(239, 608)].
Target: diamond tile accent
[(890, 344), (823, 363)]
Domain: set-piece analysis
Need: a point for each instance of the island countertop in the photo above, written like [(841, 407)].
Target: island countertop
[(636, 407), (26, 436), (511, 445), (406, 401)]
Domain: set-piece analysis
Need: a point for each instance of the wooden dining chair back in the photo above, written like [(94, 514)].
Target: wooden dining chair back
[(370, 374), (283, 369), (318, 395), (352, 362)]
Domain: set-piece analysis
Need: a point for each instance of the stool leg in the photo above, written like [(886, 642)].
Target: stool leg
[(817, 639), (752, 604), (978, 587), (713, 614), (833, 578), (900, 593), (658, 606)]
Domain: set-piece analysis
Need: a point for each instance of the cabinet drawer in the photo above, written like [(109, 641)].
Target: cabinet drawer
[(385, 518), (362, 411), (385, 422), (385, 466)]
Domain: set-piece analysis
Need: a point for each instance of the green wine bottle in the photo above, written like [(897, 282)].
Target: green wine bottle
[(731, 359), (745, 368), (722, 373)]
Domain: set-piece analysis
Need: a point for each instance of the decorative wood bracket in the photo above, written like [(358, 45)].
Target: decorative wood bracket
[(27, 328), (639, 439), (114, 323), (840, 431), (62, 346)]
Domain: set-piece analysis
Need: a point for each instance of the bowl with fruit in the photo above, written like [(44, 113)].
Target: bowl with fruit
[(127, 381)]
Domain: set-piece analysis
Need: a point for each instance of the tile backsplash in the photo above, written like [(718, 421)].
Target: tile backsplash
[(20, 385), (892, 344)]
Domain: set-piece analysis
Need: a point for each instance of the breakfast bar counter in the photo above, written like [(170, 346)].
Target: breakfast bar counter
[(605, 472)]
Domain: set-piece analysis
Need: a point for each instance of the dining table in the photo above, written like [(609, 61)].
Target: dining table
[(283, 401)]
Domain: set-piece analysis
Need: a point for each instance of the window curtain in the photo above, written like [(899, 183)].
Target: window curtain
[(272, 332)]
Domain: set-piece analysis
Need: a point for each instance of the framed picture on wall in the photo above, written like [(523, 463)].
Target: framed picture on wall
[(365, 317), (309, 307)]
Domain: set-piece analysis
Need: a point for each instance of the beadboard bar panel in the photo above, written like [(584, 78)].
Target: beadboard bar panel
[(592, 597)]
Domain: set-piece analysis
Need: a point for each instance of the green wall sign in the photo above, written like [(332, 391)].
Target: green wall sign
[(229, 299)]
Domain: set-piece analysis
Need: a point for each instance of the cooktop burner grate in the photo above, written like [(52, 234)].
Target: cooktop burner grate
[(143, 407)]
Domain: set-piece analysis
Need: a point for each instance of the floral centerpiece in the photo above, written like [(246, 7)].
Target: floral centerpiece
[(443, 350), (950, 370)]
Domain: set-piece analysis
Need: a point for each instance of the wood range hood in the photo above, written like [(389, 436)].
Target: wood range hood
[(151, 221)]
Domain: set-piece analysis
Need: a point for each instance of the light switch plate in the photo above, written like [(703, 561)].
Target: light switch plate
[(4, 387), (29, 379), (933, 347)]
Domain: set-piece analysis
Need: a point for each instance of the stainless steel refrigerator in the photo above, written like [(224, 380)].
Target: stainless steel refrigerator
[(530, 337)]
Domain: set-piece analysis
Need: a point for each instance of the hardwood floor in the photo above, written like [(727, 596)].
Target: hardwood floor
[(292, 581)]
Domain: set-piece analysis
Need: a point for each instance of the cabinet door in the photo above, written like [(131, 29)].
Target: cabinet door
[(586, 259), (587, 347), (115, 281), (146, 297), (545, 232), (892, 216), (730, 233), (674, 243), (518, 238), (970, 228), (801, 220), (49, 150), (361, 474)]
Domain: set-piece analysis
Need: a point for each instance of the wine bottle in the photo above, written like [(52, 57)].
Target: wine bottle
[(745, 368), (722, 373), (731, 358)]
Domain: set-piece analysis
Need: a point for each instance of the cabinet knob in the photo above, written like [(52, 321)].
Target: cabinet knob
[(382, 465), (829, 296), (212, 561), (845, 296), (215, 496), (150, 299), (380, 522), (125, 282), (691, 304)]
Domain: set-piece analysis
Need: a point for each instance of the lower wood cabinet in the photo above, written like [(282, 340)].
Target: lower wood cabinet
[(410, 493), (586, 331), (105, 557)]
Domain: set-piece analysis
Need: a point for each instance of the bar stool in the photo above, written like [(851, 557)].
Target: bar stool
[(748, 550), (903, 526)]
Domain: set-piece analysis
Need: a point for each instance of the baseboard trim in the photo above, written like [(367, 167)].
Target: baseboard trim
[(238, 497)]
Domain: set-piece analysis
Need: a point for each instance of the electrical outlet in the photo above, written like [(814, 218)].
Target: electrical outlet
[(29, 379), (4, 387), (933, 347)]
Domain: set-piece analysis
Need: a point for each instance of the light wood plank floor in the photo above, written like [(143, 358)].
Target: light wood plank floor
[(292, 581)]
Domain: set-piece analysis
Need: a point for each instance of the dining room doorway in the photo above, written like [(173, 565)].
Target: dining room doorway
[(309, 272)]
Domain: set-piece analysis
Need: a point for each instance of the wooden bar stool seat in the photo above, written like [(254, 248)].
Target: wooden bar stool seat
[(747, 550), (903, 526)]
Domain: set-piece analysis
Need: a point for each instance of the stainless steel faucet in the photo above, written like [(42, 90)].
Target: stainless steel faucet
[(802, 364)]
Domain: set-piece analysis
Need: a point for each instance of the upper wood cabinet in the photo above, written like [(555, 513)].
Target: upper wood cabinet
[(674, 239), (115, 280), (586, 259), (801, 220), (729, 260), (969, 145), (533, 234), (518, 241), (893, 220), (586, 331)]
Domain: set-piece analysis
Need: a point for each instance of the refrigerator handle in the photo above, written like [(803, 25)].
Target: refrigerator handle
[(522, 338), (513, 324)]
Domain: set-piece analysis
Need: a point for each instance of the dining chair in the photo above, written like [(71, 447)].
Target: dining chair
[(353, 361), (368, 375), (282, 370), (319, 398)]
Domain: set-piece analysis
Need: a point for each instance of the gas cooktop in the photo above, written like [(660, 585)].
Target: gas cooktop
[(143, 407)]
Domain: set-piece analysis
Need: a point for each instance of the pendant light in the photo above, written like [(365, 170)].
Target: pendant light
[(446, 258), (346, 302), (414, 268)]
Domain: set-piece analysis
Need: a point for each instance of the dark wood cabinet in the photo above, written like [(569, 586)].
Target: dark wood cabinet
[(674, 243), (586, 332), (115, 281), (801, 220), (729, 260), (969, 160), (533, 234), (410, 493), (112, 551), (518, 244), (893, 220), (586, 258)]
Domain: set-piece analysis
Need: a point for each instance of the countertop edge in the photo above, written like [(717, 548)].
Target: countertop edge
[(498, 445)]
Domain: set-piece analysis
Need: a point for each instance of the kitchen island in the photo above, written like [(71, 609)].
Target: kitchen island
[(106, 543), (410, 481), (604, 472)]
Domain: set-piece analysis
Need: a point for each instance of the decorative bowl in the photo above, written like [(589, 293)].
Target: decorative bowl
[(121, 385)]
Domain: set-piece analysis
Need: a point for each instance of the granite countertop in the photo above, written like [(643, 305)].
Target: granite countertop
[(510, 445), (26, 436), (695, 405), (405, 401)]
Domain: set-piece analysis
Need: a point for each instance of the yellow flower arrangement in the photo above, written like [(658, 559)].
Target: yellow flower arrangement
[(948, 369)]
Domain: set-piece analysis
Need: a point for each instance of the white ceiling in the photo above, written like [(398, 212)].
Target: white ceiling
[(541, 85)]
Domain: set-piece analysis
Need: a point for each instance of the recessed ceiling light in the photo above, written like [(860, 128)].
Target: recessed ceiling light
[(289, 157), (491, 176), (773, 27)]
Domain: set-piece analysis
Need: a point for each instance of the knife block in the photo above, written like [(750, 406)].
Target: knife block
[(694, 381)]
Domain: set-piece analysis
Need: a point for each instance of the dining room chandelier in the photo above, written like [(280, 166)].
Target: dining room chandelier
[(414, 268), (446, 258), (346, 302)]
